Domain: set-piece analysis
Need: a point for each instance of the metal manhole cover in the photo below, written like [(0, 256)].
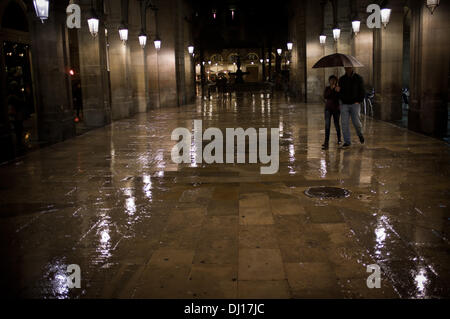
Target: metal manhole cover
[(327, 192)]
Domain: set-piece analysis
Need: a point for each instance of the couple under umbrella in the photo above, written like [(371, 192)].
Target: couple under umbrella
[(348, 89)]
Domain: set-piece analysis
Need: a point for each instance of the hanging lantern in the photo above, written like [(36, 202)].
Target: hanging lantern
[(142, 39), (209, 62), (191, 49), (322, 39), (279, 51), (356, 26), (93, 23), (157, 43), (232, 13), (336, 33), (123, 33), (41, 8), (289, 46), (261, 61), (432, 5), (214, 14), (385, 16)]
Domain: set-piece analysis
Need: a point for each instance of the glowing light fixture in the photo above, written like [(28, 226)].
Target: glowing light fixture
[(261, 61), (93, 22), (142, 39), (279, 51), (336, 33), (41, 8), (157, 43), (322, 39), (232, 13), (385, 16), (123, 33), (432, 5), (191, 49), (356, 26), (289, 46), (209, 62), (214, 14)]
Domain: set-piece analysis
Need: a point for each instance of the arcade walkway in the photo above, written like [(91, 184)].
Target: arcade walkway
[(141, 226)]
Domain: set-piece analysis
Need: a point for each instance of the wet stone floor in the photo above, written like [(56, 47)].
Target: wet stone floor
[(141, 226)]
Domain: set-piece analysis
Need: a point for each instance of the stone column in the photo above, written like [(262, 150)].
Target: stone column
[(93, 71), (428, 107), (51, 62), (119, 54), (138, 61), (314, 51), (297, 68), (387, 65)]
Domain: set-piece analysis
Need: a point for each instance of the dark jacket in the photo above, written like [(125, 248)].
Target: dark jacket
[(352, 89), (332, 98)]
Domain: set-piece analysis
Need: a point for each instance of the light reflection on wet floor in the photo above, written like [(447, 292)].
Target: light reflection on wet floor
[(113, 202)]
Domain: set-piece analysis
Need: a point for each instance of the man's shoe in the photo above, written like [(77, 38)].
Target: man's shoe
[(361, 139), (346, 145), (339, 142), (325, 146)]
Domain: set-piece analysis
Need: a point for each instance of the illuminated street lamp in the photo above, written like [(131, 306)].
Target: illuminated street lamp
[(289, 46), (142, 39), (385, 16), (191, 49), (157, 43), (356, 26), (41, 8), (93, 23), (123, 33), (336, 33), (279, 51), (322, 39), (432, 5)]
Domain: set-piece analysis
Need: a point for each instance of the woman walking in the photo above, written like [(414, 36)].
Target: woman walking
[(332, 109)]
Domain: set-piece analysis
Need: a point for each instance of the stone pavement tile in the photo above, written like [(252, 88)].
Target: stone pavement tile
[(221, 207), (263, 289), (252, 200), (324, 214), (310, 275), (217, 251), (255, 215), (228, 191), (289, 206), (219, 227), (257, 236), (292, 253), (357, 288), (260, 264), (166, 275), (213, 281)]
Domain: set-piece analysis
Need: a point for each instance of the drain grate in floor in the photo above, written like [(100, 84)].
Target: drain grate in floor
[(327, 192)]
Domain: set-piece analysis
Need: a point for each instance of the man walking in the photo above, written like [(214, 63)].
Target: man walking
[(352, 93)]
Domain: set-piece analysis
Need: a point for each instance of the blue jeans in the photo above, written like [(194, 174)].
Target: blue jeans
[(347, 111)]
